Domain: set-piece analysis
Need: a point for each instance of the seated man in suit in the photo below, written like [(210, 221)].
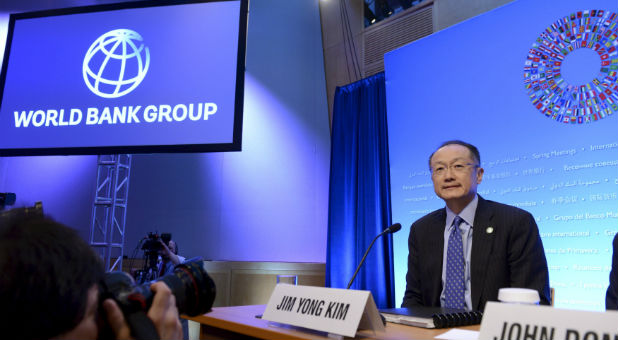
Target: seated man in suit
[(611, 297), (461, 255)]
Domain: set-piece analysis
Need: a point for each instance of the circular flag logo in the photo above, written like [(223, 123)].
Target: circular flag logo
[(116, 63), (570, 72)]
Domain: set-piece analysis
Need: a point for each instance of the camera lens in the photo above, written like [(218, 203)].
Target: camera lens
[(193, 289)]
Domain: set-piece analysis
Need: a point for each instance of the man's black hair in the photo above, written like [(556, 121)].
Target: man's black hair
[(476, 155), (46, 272)]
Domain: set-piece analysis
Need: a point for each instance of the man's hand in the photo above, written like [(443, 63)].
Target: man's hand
[(116, 320), (162, 312)]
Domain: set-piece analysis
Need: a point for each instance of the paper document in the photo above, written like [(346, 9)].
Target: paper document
[(458, 334)]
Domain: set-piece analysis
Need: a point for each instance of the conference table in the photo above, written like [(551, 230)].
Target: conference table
[(241, 322)]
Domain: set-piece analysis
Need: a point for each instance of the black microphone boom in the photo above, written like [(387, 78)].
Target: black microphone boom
[(392, 229)]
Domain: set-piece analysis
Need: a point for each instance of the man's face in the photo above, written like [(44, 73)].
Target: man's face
[(455, 173), (172, 246), (87, 328)]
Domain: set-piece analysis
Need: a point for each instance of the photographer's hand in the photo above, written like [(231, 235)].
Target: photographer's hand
[(164, 313), (116, 320)]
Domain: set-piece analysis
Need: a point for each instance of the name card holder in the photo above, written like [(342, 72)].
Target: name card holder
[(331, 310), (506, 321)]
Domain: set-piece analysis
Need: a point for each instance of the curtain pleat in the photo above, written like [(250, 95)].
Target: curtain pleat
[(359, 193)]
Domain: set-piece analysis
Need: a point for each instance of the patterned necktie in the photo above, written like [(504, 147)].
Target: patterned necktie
[(455, 285)]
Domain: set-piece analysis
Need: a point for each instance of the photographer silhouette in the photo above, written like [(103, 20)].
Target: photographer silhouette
[(50, 285)]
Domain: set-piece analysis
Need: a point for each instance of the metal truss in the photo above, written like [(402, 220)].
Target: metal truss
[(109, 210)]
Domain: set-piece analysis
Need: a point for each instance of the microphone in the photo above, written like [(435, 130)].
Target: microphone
[(392, 229)]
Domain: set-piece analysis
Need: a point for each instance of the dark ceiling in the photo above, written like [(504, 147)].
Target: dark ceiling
[(15, 6)]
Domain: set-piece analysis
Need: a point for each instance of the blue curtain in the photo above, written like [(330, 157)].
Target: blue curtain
[(359, 194)]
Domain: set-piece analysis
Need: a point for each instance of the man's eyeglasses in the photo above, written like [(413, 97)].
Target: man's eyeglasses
[(440, 169)]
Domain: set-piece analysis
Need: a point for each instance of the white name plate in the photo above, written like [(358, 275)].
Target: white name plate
[(506, 321), (332, 310)]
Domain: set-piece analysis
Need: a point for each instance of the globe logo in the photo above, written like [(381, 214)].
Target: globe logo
[(116, 63)]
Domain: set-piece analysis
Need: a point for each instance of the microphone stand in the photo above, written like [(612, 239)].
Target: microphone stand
[(394, 228), (364, 256)]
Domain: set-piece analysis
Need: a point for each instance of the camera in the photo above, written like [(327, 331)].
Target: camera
[(193, 289), (151, 243)]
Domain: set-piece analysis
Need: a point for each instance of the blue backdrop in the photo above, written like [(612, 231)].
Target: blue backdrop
[(519, 83)]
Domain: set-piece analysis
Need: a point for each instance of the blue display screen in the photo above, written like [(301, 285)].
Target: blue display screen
[(124, 78)]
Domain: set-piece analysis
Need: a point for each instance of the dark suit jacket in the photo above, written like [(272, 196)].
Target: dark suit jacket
[(611, 297), (511, 255)]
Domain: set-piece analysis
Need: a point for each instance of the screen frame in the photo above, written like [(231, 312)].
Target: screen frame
[(235, 145)]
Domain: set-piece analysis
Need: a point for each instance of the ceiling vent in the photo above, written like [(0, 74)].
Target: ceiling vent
[(396, 31)]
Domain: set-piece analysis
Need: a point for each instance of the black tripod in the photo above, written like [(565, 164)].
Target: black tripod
[(150, 270)]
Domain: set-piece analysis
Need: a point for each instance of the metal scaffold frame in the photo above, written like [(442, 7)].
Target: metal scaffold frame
[(109, 210)]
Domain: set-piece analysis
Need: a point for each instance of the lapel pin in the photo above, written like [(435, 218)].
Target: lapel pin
[(489, 230)]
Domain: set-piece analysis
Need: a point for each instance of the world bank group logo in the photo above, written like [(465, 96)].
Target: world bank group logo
[(570, 72), (116, 63)]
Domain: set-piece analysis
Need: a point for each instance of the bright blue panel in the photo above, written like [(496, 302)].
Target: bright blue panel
[(469, 82)]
